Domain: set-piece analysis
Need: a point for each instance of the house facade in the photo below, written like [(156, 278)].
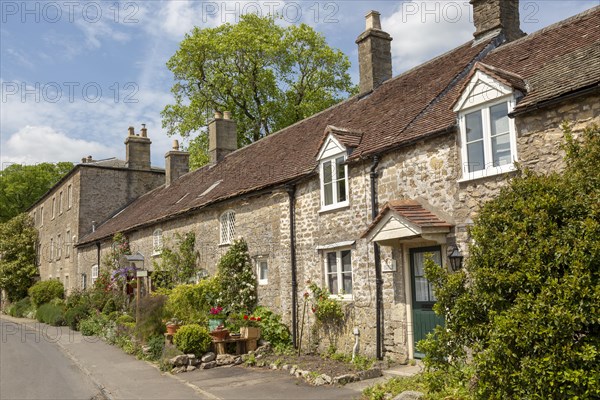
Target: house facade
[(355, 197)]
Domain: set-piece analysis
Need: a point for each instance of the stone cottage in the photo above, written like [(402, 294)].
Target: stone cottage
[(89, 194), (354, 197)]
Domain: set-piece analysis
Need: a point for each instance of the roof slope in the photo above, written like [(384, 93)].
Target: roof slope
[(409, 107)]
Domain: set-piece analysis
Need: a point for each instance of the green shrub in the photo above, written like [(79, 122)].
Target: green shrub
[(392, 387), (192, 338), (156, 345), (527, 304), (94, 325), (44, 291), (21, 308), (168, 353), (272, 329), (51, 314), (150, 320), (75, 314), (236, 279), (191, 303), (124, 318)]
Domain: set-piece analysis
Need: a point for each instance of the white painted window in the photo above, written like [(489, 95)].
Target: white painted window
[(60, 203), (227, 227), (83, 281), (334, 183), (94, 274), (262, 270), (157, 241), (68, 244), (58, 247), (53, 207), (488, 140), (69, 196), (338, 272)]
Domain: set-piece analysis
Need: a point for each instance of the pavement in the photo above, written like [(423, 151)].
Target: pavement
[(118, 375)]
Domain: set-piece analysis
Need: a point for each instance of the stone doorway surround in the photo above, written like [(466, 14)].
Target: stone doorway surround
[(403, 225)]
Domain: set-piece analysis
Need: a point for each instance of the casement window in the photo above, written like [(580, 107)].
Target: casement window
[(227, 227), (60, 203), (157, 241), (83, 281), (334, 182), (94, 275), (338, 272), (51, 249), (58, 247), (53, 207), (488, 140), (262, 270), (41, 215), (68, 244), (69, 196)]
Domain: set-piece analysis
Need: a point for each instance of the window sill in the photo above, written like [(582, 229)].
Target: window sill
[(336, 207), (156, 253), (263, 282), (487, 173)]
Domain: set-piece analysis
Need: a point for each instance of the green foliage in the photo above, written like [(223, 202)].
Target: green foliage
[(95, 325), (74, 315), (272, 329), (177, 265), (124, 318), (22, 185), (236, 279), (156, 345), (191, 303), (527, 303), (268, 76), (392, 387), (44, 291), (52, 314), (150, 320), (18, 240), (22, 308), (168, 353), (326, 308), (192, 338)]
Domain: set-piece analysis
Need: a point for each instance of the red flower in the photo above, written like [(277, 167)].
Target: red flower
[(245, 317), (258, 318), (252, 319)]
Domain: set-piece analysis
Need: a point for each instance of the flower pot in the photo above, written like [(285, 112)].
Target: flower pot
[(172, 329), (250, 332), (220, 334), (214, 324)]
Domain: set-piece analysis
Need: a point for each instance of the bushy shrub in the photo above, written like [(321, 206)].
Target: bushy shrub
[(150, 319), (527, 304), (75, 314), (192, 338), (94, 325), (236, 279), (191, 303), (44, 291), (21, 309), (51, 314), (124, 318), (272, 329), (156, 345)]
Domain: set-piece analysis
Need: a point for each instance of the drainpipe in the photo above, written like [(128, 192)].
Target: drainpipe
[(98, 255), (291, 190), (376, 255)]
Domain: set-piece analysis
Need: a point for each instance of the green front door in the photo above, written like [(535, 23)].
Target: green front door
[(423, 295)]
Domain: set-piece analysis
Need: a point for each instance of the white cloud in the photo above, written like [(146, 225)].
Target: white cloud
[(422, 30), (34, 144)]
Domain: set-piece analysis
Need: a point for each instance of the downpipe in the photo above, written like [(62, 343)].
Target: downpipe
[(291, 190), (377, 256)]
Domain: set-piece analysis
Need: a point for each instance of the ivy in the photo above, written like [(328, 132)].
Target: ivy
[(177, 265)]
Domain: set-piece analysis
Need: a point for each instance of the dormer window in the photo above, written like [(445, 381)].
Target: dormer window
[(488, 140)]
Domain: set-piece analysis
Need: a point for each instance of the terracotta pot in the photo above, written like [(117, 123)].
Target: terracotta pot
[(221, 334), (172, 329)]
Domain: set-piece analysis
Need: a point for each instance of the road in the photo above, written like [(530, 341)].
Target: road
[(32, 367)]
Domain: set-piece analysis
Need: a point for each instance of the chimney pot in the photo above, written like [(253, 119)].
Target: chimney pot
[(176, 163), (227, 115), (83, 160), (89, 159), (144, 131), (176, 145), (373, 20), (218, 115), (131, 131)]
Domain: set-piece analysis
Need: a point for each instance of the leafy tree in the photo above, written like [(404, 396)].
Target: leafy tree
[(523, 318), (236, 279), (18, 240), (22, 185), (268, 76), (177, 265)]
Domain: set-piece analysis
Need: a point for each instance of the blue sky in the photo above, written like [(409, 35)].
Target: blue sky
[(76, 74)]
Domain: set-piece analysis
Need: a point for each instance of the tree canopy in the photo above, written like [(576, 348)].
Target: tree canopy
[(523, 317), (22, 185), (18, 239), (268, 76)]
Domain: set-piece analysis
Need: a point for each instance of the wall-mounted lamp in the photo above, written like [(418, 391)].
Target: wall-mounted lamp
[(455, 257)]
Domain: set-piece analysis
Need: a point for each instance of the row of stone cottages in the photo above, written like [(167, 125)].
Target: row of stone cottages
[(353, 197)]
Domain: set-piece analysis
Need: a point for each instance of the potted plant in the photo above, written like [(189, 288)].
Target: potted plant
[(250, 327), (216, 316), (173, 325)]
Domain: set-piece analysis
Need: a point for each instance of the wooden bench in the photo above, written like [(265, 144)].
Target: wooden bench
[(242, 345)]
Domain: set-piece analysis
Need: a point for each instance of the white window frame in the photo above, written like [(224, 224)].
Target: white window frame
[(227, 227), (157, 242), (259, 261), (83, 281), (58, 246), (41, 215), (53, 207), (60, 203), (69, 196), (335, 194), (94, 274), (68, 244), (339, 273)]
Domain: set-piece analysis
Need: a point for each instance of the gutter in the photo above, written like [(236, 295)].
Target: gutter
[(291, 190), (547, 103), (376, 254)]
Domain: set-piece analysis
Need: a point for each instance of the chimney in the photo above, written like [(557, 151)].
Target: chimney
[(374, 54), (222, 136), (492, 17), (176, 163), (137, 149)]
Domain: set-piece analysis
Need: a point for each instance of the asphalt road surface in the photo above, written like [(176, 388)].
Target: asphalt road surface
[(32, 367)]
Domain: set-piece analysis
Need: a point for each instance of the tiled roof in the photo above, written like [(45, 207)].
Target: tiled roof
[(346, 137), (410, 107)]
